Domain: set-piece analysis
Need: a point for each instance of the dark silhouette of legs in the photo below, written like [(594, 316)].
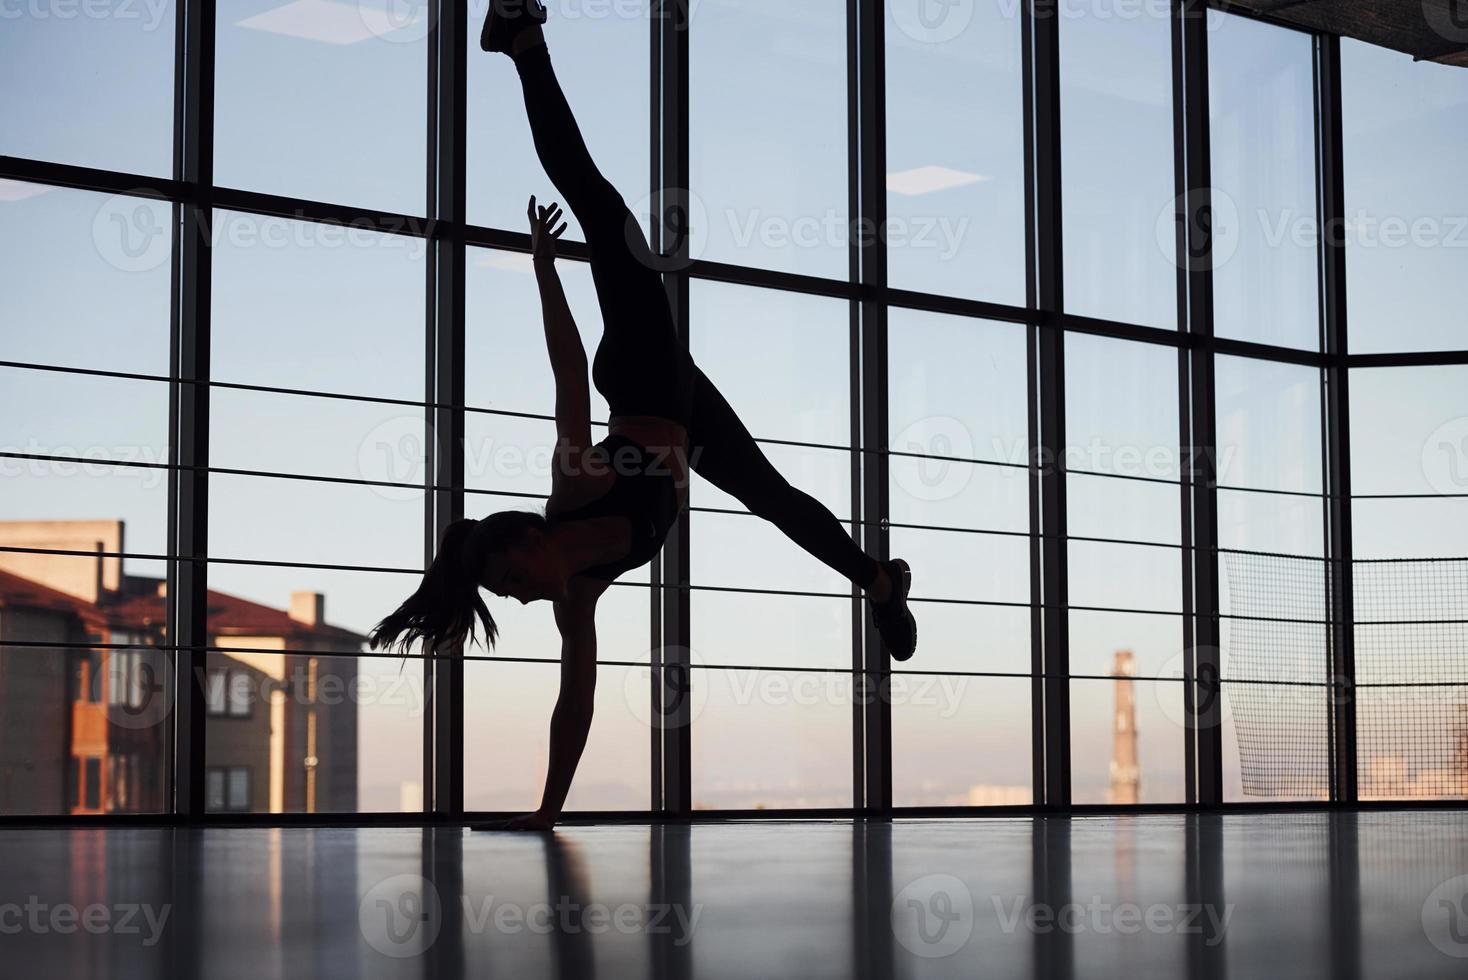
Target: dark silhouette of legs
[(722, 451)]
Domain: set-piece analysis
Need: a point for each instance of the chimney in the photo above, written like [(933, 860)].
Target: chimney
[(308, 608)]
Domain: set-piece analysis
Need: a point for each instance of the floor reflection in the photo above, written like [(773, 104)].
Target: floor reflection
[(1297, 895)]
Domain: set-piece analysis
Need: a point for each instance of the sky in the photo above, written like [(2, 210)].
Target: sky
[(324, 99)]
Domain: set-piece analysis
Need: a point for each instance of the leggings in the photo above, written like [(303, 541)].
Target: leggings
[(641, 366)]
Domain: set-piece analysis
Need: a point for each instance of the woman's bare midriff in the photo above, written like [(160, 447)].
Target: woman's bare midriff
[(666, 439)]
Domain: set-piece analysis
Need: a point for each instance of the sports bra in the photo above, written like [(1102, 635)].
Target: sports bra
[(645, 492)]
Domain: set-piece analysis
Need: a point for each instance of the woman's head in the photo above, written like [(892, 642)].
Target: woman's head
[(508, 553)]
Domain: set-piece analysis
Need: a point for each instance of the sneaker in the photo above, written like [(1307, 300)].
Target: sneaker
[(506, 19), (892, 618)]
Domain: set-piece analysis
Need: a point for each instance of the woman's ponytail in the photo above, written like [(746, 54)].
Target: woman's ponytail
[(442, 612)]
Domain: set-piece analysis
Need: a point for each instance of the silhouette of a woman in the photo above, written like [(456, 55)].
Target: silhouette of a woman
[(611, 502)]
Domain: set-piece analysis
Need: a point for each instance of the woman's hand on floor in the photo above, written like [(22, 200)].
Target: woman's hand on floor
[(543, 230), (536, 822)]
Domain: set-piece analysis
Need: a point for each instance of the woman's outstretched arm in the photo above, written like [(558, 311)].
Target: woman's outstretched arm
[(562, 339)]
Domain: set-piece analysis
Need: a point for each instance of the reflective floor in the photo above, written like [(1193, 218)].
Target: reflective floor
[(1380, 894)]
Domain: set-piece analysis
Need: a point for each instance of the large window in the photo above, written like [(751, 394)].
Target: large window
[(1161, 475)]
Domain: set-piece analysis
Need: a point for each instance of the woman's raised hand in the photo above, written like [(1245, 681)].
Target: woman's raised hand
[(543, 230)]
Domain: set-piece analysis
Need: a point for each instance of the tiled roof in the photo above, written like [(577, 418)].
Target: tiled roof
[(228, 615)]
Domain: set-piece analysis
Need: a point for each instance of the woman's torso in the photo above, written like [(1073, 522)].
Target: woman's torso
[(638, 473)]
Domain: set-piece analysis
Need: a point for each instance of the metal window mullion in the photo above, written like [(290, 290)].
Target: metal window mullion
[(672, 791), (1336, 409), (189, 439), (1048, 453), (444, 378), (868, 168), (1201, 663)]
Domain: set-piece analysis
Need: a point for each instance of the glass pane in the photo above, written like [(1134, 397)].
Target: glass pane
[(1276, 745), (89, 84), (1404, 151), (1282, 523), (782, 360), (1411, 629), (600, 52), (84, 278), (770, 739), (961, 741), (955, 194), (969, 567), (507, 725), (1268, 425), (1261, 109), (767, 136), (1119, 226), (734, 550), (87, 731), (315, 306), (504, 341), (317, 734), (963, 637), (1154, 642), (336, 609), (1126, 739), (1132, 510), (1121, 408), (324, 101), (1125, 576), (1409, 430), (276, 519), (330, 437), (793, 631), (956, 387), (75, 418), (1403, 753), (946, 493)]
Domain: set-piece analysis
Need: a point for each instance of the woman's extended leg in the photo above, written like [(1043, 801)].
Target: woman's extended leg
[(722, 451), (644, 352)]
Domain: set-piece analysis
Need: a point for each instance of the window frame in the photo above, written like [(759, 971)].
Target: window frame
[(194, 196)]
